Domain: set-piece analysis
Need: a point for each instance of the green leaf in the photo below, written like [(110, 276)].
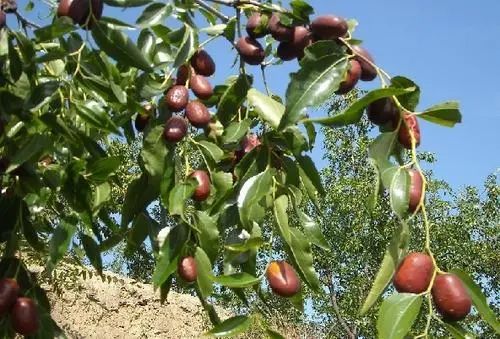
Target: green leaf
[(306, 164), (127, 3), (313, 84), (354, 112), (40, 95), (209, 234), (233, 98), (59, 243), (99, 170), (272, 334), (138, 232), (302, 254), (205, 275), (58, 28), (384, 275), (140, 193), (312, 230), (222, 182), (281, 215), (445, 114), (301, 9), (231, 327), (400, 192), (154, 152), (168, 255), (211, 149), (397, 315), (15, 63), (186, 48), (237, 280), (252, 191), (409, 100), (154, 14), (102, 194), (267, 108), (118, 46), (181, 192), (478, 299), (32, 147), (92, 113), (93, 252), (457, 331), (214, 30), (236, 131)]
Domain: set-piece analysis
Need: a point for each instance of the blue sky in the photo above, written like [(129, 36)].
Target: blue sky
[(450, 48)]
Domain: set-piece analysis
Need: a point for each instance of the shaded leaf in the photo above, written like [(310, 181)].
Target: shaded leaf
[(232, 99), (231, 327), (93, 252)]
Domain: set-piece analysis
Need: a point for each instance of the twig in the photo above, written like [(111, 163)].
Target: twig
[(333, 298), (24, 21), (212, 10)]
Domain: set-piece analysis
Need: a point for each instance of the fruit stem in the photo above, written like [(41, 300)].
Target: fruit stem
[(429, 318), (212, 10), (263, 71)]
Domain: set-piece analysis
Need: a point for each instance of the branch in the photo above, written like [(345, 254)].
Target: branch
[(333, 298), (212, 10), (237, 3), (24, 21)]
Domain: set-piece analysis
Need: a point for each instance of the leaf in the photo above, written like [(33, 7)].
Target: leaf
[(15, 63), (154, 152), (387, 267), (237, 280), (252, 191), (400, 193), (236, 131), (93, 252), (280, 213), (205, 275), (306, 164), (186, 48), (231, 327), (214, 30), (445, 114), (267, 108), (40, 95), (140, 193), (353, 113), (59, 243), (457, 331), (397, 315), (232, 99), (313, 84), (409, 100), (478, 299), (181, 192), (138, 232), (118, 46), (58, 28), (92, 113), (127, 3), (102, 194), (154, 14), (302, 254), (32, 147), (312, 230), (211, 149), (99, 170), (209, 234), (301, 9)]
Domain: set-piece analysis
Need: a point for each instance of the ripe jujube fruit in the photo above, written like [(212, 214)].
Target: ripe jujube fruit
[(24, 316), (368, 72), (283, 279), (286, 51), (9, 290), (201, 87), (247, 144), (301, 38), (197, 114), (202, 191), (177, 98), (187, 269), (414, 274), (80, 11), (255, 27), (351, 79), (329, 27), (450, 297), (382, 111), (175, 129), (203, 63), (279, 31), (3, 19), (250, 50), (416, 189), (141, 120), (410, 123), (182, 75)]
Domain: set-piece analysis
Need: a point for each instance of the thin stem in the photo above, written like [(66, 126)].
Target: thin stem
[(25, 21), (238, 3), (263, 71), (212, 10)]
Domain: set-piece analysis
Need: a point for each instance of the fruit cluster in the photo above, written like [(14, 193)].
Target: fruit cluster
[(415, 274), (294, 39), (82, 12), (23, 311)]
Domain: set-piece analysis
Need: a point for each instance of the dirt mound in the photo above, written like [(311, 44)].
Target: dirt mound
[(125, 309)]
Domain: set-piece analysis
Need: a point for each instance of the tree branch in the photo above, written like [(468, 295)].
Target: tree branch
[(24, 21), (333, 298), (212, 10)]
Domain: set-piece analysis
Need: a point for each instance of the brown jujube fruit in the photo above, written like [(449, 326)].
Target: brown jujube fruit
[(410, 123), (286, 51), (3, 19), (283, 279), (451, 297), (187, 269), (279, 31), (24, 316), (79, 11), (202, 191), (182, 75), (351, 79), (382, 111), (201, 87), (197, 114), (329, 27), (368, 72), (175, 129), (9, 290), (301, 38), (203, 63), (414, 274), (416, 189), (141, 121), (250, 50), (247, 144), (177, 98), (254, 27)]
